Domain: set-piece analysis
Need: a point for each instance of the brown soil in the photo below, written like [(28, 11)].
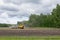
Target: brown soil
[(29, 32)]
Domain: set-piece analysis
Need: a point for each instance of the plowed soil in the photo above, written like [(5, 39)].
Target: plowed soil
[(29, 32)]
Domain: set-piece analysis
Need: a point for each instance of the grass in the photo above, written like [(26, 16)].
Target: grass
[(29, 37)]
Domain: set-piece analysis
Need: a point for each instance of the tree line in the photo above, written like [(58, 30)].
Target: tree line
[(42, 20), (4, 25)]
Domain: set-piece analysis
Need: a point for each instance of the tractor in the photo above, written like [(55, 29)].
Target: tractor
[(17, 26), (20, 26)]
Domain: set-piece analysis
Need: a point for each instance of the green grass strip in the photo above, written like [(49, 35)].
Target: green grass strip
[(29, 37)]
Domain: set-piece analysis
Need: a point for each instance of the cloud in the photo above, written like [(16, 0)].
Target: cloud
[(1, 2), (4, 18), (21, 1), (12, 11), (8, 8)]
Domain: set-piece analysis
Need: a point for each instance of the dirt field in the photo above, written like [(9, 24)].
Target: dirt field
[(29, 32)]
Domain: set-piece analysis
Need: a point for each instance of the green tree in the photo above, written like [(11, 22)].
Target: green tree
[(56, 15), (49, 20)]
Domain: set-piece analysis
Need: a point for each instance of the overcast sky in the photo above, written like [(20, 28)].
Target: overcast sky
[(12, 11)]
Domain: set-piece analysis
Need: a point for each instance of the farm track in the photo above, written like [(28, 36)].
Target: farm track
[(29, 32)]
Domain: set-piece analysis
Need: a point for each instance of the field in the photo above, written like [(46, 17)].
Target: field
[(30, 34), (29, 37)]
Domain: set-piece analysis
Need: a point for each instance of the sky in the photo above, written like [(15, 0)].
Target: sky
[(12, 11)]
